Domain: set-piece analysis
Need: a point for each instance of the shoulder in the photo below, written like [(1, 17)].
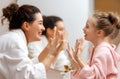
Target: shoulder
[(103, 50), (11, 40)]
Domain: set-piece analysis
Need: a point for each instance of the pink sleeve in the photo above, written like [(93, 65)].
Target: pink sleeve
[(101, 65)]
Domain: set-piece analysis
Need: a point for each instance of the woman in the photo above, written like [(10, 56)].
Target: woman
[(25, 25), (50, 23)]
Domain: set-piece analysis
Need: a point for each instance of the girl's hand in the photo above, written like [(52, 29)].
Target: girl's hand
[(70, 52), (75, 54), (78, 48)]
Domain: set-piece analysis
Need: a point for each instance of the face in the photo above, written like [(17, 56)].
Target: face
[(59, 26), (89, 30), (34, 30)]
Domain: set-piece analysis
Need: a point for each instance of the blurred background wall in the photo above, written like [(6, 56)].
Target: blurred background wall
[(107, 5)]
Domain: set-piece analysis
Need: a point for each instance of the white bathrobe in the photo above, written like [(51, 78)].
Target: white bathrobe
[(14, 60)]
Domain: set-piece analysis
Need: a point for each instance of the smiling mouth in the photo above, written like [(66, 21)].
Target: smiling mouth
[(39, 33), (85, 35)]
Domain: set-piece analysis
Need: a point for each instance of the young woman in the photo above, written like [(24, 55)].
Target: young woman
[(103, 63), (26, 25)]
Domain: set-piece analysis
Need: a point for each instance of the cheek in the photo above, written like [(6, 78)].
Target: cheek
[(33, 32)]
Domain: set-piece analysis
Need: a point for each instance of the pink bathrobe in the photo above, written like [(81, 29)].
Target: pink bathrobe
[(103, 64)]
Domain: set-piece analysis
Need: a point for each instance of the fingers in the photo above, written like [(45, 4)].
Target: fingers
[(68, 49), (73, 60), (58, 42)]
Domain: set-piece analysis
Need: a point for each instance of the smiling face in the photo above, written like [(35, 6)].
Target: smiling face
[(33, 31), (60, 27), (89, 30)]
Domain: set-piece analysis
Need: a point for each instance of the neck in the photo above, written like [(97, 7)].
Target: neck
[(98, 41)]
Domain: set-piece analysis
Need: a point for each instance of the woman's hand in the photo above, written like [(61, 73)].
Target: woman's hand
[(50, 53), (58, 42)]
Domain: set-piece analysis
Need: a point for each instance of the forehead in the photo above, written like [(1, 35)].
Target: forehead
[(92, 21), (38, 17), (60, 24)]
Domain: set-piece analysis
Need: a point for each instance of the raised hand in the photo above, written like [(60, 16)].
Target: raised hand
[(74, 53), (78, 50), (58, 42), (70, 52), (50, 53)]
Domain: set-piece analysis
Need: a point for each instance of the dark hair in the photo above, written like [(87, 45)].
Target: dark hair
[(50, 22), (109, 22), (18, 15)]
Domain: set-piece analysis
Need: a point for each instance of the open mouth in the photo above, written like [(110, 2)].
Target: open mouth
[(40, 33), (85, 35)]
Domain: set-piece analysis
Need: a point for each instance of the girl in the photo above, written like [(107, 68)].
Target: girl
[(100, 29)]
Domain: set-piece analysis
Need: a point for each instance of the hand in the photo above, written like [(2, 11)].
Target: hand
[(50, 53), (70, 52), (74, 54), (78, 48), (57, 43)]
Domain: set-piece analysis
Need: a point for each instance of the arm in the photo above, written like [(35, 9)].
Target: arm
[(50, 53)]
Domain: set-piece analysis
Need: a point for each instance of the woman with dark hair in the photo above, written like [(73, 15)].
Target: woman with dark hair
[(50, 23), (25, 25)]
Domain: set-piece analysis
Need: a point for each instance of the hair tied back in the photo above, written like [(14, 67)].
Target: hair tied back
[(9, 11)]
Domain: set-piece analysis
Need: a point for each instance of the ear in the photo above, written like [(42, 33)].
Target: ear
[(25, 26), (100, 32)]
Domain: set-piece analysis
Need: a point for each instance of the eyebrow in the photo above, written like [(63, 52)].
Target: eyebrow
[(40, 21)]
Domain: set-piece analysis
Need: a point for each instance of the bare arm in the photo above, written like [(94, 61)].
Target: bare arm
[(50, 53)]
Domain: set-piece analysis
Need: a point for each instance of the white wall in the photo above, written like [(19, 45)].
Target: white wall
[(73, 12)]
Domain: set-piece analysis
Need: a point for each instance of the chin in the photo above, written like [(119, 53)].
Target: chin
[(39, 38)]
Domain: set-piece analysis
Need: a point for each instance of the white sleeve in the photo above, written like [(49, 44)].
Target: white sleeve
[(34, 49), (15, 64)]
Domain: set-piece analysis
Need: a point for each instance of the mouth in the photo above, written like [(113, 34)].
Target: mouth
[(40, 33), (85, 35)]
